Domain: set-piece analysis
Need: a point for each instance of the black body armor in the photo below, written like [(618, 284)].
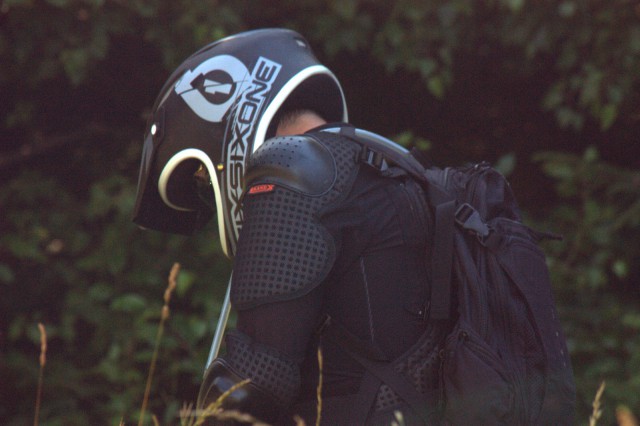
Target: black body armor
[(328, 237)]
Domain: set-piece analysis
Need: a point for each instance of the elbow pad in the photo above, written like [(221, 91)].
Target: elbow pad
[(274, 379), (247, 399)]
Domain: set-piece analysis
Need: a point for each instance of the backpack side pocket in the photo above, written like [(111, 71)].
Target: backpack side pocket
[(477, 387)]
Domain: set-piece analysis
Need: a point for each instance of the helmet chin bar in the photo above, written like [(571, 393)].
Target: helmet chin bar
[(170, 167)]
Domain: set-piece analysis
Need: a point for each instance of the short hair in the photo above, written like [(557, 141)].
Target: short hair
[(290, 116)]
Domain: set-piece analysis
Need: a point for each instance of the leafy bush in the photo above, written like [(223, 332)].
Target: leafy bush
[(596, 273), (96, 282)]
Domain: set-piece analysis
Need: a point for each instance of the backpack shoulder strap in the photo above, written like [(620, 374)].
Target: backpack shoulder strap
[(442, 260), (380, 152)]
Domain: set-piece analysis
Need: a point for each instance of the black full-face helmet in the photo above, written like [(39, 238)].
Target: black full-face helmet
[(214, 111)]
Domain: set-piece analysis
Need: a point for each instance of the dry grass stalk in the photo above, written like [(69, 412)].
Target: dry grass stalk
[(43, 362), (597, 411), (319, 390), (173, 274), (43, 344), (187, 417), (186, 413), (398, 419), (213, 409), (236, 416), (625, 417)]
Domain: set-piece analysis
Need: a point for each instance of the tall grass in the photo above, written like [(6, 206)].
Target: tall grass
[(190, 417), (319, 390), (42, 361), (164, 315), (625, 417), (597, 411)]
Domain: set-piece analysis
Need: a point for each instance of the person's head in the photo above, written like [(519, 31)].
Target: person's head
[(215, 109), (298, 121)]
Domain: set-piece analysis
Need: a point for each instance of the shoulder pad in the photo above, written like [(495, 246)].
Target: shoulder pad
[(299, 163), (284, 251)]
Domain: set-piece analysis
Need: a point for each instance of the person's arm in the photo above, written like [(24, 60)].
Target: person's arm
[(283, 256)]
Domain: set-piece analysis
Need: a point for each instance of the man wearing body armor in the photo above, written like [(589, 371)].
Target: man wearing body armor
[(329, 252)]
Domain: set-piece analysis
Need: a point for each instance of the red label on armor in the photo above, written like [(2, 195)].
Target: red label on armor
[(259, 189)]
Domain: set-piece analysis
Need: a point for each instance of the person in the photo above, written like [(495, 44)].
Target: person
[(329, 253)]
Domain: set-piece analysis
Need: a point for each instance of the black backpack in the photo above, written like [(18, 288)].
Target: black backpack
[(505, 360)]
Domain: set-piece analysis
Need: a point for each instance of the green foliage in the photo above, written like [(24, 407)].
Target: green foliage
[(596, 273), (81, 268), (589, 50), (408, 139)]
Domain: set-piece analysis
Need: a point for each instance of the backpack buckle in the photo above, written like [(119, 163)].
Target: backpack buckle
[(373, 158), (469, 218)]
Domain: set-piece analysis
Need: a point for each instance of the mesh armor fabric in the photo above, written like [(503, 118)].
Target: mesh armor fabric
[(387, 398), (283, 250), (420, 365), (267, 369)]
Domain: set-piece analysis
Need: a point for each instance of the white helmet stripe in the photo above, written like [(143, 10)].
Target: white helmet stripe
[(284, 93), (179, 157)]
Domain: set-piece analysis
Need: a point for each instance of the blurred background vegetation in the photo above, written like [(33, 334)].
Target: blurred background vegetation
[(546, 90)]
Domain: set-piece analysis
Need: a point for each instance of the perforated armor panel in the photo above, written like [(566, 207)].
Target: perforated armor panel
[(283, 250), (300, 163), (267, 369), (420, 365)]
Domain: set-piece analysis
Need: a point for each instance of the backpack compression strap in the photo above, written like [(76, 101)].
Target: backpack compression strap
[(379, 370)]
